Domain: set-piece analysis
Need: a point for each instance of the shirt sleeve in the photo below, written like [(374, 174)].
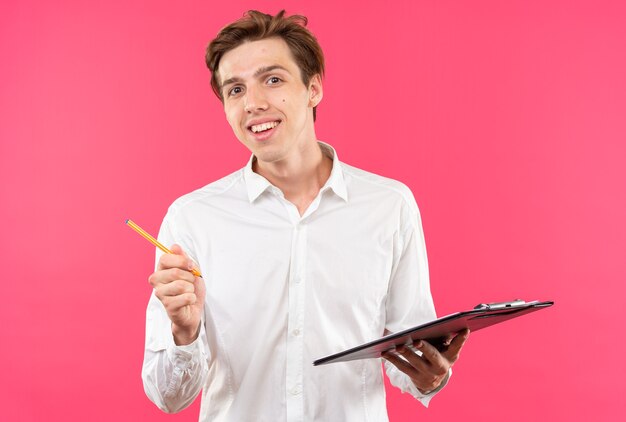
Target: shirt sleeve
[(409, 300), (172, 375)]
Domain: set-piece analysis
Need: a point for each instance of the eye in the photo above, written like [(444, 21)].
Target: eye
[(235, 91), (274, 80)]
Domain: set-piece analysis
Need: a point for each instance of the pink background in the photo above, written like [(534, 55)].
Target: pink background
[(506, 119)]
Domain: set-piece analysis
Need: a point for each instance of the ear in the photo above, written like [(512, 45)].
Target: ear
[(316, 90)]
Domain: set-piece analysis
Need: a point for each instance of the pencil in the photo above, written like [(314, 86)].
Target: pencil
[(130, 223)]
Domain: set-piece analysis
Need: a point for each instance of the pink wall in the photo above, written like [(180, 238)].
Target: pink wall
[(506, 118)]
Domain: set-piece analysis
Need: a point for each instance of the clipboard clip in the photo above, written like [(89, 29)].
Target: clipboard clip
[(502, 305)]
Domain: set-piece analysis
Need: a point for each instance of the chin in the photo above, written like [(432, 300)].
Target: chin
[(263, 152), (268, 157), (269, 154)]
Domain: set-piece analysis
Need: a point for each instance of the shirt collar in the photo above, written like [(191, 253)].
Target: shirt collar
[(336, 182), (257, 184)]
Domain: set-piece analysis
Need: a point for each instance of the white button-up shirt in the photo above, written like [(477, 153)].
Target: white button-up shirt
[(284, 290)]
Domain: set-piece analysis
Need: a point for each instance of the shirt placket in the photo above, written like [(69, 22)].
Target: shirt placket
[(295, 320)]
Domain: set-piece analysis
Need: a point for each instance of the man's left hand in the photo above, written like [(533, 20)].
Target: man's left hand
[(430, 369)]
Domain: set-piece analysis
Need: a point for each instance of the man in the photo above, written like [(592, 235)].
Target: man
[(301, 256)]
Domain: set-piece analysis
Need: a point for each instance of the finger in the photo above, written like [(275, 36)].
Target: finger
[(446, 341), (423, 379), (168, 275), (438, 364), (175, 305), (413, 358), (401, 364), (454, 350), (175, 288)]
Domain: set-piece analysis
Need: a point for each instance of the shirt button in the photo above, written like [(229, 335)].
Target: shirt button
[(296, 332), (295, 391)]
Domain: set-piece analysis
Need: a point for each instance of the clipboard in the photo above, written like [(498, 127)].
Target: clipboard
[(435, 332)]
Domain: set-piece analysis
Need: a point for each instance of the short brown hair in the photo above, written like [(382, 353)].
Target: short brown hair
[(255, 26)]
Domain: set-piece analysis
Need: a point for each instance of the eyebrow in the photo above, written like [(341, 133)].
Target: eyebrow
[(258, 72)]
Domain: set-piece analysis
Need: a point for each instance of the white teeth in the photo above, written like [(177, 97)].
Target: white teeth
[(263, 126)]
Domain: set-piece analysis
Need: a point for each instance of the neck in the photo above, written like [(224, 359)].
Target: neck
[(301, 177)]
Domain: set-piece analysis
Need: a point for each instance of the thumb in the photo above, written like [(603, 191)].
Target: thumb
[(177, 250), (200, 289)]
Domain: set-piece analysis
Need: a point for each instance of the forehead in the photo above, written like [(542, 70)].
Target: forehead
[(242, 61)]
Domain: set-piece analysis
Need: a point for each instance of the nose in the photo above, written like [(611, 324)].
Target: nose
[(254, 100)]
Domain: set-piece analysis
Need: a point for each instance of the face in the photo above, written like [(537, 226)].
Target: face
[(268, 107)]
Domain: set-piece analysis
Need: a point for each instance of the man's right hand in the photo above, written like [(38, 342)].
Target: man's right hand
[(181, 293)]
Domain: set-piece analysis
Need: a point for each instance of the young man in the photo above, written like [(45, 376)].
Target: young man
[(301, 254)]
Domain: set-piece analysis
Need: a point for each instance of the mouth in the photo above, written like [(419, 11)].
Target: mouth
[(263, 127)]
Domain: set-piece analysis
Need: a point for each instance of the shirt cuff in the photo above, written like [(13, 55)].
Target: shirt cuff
[(406, 385), (426, 398), (183, 359), (184, 353)]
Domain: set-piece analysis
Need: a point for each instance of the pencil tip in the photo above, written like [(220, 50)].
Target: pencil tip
[(126, 222)]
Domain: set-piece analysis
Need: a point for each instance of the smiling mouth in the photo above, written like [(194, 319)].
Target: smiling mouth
[(264, 126)]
